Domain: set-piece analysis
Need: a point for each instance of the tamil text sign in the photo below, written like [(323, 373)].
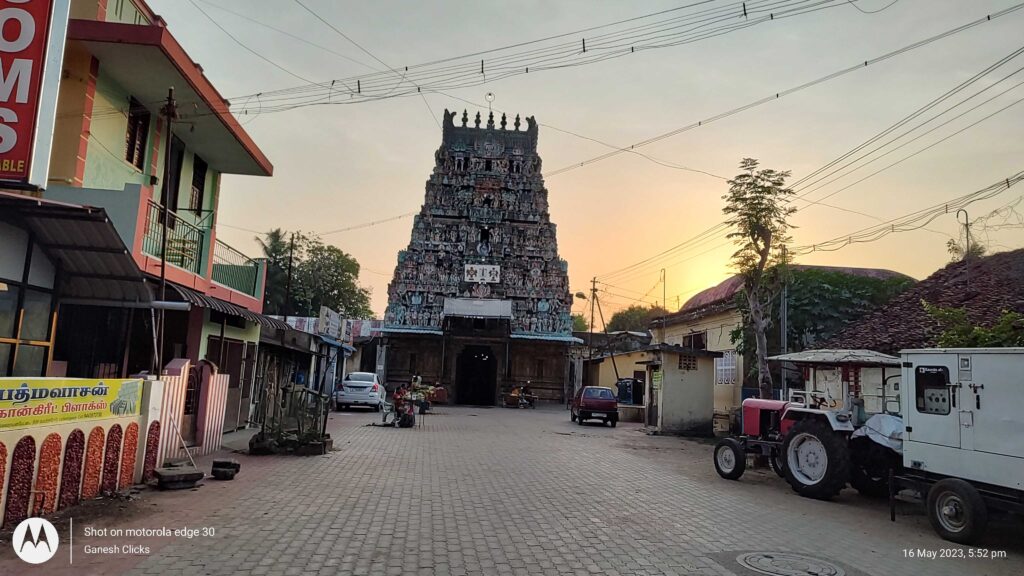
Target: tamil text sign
[(46, 401), (31, 49)]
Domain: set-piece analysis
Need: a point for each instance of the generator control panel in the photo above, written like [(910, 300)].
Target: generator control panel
[(935, 401), (933, 389)]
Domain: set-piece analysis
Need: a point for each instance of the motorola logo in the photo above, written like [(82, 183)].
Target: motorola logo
[(35, 540)]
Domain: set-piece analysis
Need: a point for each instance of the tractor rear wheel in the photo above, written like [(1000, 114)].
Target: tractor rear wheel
[(956, 511), (817, 459), (730, 458)]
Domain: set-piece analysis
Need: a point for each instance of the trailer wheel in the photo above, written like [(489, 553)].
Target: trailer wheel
[(870, 464), (730, 458), (817, 459), (956, 511)]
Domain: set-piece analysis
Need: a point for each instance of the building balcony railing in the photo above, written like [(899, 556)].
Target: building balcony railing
[(235, 270), (185, 240)]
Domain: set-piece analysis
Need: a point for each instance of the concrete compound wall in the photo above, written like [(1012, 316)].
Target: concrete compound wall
[(52, 467)]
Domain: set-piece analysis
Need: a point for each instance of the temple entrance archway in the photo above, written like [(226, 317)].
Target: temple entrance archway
[(476, 374)]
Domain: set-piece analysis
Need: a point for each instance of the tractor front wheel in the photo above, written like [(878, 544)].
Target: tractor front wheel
[(778, 463), (730, 458), (956, 511), (817, 459)]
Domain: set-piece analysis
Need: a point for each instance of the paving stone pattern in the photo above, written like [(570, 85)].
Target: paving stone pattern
[(518, 492)]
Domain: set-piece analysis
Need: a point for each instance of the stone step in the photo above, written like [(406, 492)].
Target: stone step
[(177, 478)]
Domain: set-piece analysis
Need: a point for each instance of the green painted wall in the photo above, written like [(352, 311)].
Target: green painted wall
[(105, 164), (122, 205), (250, 334), (106, 167)]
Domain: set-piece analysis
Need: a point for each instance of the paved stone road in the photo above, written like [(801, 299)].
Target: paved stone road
[(506, 492)]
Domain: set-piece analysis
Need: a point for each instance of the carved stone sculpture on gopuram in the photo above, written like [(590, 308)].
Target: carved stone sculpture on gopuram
[(483, 232)]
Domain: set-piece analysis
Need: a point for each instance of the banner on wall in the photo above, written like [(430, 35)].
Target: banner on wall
[(26, 403), (329, 323)]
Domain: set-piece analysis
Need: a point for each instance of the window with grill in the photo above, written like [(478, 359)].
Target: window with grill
[(725, 369), (138, 133), (199, 169), (687, 362), (696, 340)]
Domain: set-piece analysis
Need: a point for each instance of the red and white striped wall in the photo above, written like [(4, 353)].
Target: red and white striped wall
[(209, 417)]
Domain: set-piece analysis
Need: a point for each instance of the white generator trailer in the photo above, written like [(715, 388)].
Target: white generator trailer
[(963, 444)]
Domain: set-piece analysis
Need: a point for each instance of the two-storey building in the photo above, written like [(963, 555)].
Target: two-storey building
[(160, 187)]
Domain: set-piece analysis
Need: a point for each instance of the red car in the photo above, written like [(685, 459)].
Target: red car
[(595, 402)]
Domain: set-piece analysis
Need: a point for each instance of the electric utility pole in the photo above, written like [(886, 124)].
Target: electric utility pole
[(784, 323), (170, 112), (590, 335), (967, 246), (664, 303), (286, 305)]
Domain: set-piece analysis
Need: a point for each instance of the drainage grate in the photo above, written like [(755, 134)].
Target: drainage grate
[(787, 564)]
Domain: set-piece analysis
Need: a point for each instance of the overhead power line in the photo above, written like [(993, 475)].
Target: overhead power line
[(289, 34), (470, 70), (882, 9), (912, 221), (789, 91), (247, 48), (900, 130)]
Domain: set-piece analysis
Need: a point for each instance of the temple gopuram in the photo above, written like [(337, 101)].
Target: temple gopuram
[(479, 302)]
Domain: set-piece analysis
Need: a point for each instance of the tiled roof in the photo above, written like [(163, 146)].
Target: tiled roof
[(730, 286), (996, 284)]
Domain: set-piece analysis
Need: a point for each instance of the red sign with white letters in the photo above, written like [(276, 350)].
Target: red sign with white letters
[(24, 35)]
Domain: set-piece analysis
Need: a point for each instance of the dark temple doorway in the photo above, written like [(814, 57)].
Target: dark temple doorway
[(475, 376)]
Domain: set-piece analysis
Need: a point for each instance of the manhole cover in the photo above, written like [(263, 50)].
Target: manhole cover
[(786, 564)]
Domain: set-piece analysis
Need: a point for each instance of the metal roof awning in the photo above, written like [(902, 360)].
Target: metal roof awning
[(849, 357), (82, 243), (329, 341), (477, 308), (336, 344), (288, 338), (204, 301)]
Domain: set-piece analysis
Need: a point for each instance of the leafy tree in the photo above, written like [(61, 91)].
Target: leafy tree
[(322, 275), (959, 332), (821, 304), (636, 318), (579, 323), (756, 208), (275, 245)]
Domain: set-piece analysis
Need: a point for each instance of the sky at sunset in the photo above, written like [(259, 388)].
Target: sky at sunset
[(343, 165)]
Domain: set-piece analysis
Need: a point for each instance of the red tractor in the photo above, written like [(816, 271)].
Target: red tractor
[(811, 440)]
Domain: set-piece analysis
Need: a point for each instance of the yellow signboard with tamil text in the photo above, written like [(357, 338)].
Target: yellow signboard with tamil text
[(45, 401)]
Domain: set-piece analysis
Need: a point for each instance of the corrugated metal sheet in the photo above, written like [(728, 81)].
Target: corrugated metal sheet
[(204, 301), (854, 357), (82, 242)]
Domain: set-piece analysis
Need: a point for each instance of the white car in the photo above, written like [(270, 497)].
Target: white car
[(360, 389)]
